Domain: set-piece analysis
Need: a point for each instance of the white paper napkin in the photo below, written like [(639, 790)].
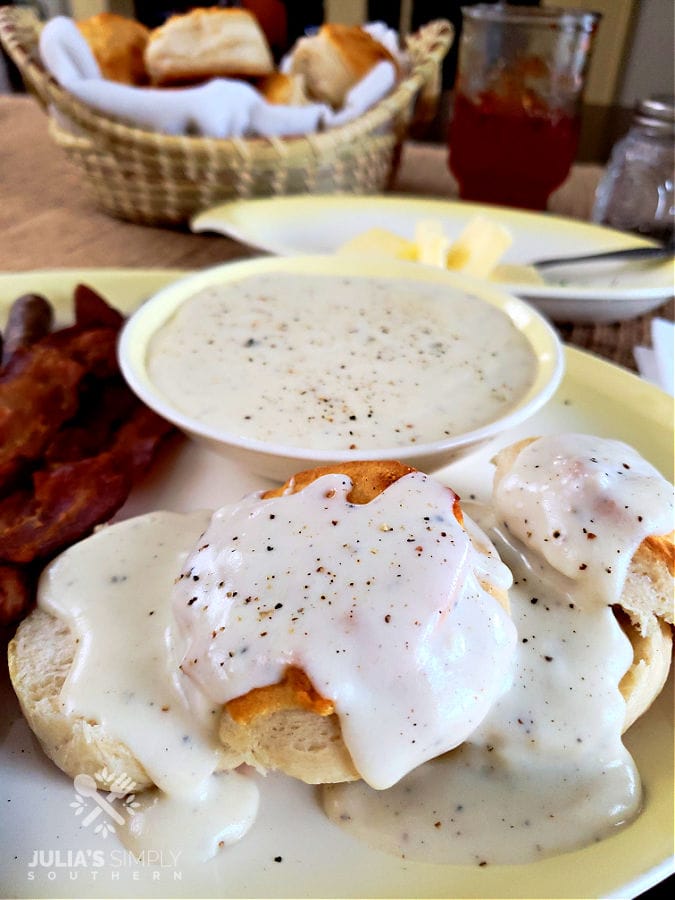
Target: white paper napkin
[(655, 363), (221, 108)]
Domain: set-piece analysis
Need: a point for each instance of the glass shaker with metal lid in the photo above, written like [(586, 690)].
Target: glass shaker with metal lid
[(636, 191)]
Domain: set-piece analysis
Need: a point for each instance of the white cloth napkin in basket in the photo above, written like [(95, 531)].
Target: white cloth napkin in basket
[(655, 363), (220, 108)]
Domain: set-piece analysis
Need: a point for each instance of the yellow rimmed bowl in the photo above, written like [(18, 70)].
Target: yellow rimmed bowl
[(278, 460)]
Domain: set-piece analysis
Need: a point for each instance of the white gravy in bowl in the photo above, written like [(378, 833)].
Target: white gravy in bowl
[(334, 363)]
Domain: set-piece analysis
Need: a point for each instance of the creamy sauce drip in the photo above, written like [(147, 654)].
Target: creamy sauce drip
[(114, 589), (545, 773), (381, 604), (339, 363), (218, 812)]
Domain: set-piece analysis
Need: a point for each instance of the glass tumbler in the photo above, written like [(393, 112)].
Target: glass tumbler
[(514, 130)]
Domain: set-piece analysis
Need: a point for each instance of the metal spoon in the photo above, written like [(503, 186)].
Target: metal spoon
[(631, 253)]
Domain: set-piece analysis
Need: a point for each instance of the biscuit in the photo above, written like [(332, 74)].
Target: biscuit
[(40, 656), (644, 609), (335, 59), (207, 43), (118, 45), (288, 725)]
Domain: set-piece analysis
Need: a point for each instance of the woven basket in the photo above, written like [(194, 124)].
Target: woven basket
[(151, 178)]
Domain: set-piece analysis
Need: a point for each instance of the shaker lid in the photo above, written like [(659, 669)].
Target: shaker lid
[(658, 110)]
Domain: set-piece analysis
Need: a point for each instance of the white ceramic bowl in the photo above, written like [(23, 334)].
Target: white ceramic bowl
[(277, 461)]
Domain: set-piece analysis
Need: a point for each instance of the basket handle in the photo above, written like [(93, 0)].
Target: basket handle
[(428, 48), (19, 36)]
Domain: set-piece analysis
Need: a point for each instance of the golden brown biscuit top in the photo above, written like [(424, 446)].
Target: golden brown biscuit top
[(118, 44), (206, 17), (359, 50), (369, 478)]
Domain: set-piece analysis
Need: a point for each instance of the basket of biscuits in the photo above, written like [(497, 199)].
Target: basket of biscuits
[(166, 122)]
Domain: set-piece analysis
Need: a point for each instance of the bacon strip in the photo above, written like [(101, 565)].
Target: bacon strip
[(66, 504), (92, 311), (70, 499), (105, 405), (94, 348), (16, 593), (139, 438), (73, 440), (38, 393)]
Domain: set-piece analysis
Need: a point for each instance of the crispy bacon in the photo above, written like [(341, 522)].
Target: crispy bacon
[(73, 440), (16, 593), (105, 405), (92, 311), (94, 348), (68, 500), (139, 438), (65, 505), (38, 393)]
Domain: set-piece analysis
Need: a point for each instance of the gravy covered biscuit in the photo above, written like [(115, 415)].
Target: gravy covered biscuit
[(335, 59), (596, 512), (288, 624), (366, 579), (208, 43), (95, 673), (348, 628)]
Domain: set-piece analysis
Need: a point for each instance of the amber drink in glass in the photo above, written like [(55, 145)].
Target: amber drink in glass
[(514, 130)]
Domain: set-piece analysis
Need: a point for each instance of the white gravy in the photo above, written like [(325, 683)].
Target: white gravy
[(380, 604), (114, 589), (338, 363), (545, 771), (585, 505)]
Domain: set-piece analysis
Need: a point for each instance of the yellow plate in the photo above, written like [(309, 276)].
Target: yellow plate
[(47, 852)]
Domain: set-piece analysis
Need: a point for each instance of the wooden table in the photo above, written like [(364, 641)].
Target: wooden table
[(47, 220)]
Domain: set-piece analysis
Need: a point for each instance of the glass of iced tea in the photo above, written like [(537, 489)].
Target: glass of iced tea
[(514, 129)]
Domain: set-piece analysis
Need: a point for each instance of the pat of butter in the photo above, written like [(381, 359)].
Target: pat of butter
[(475, 252), (479, 247), (432, 243), (380, 242)]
